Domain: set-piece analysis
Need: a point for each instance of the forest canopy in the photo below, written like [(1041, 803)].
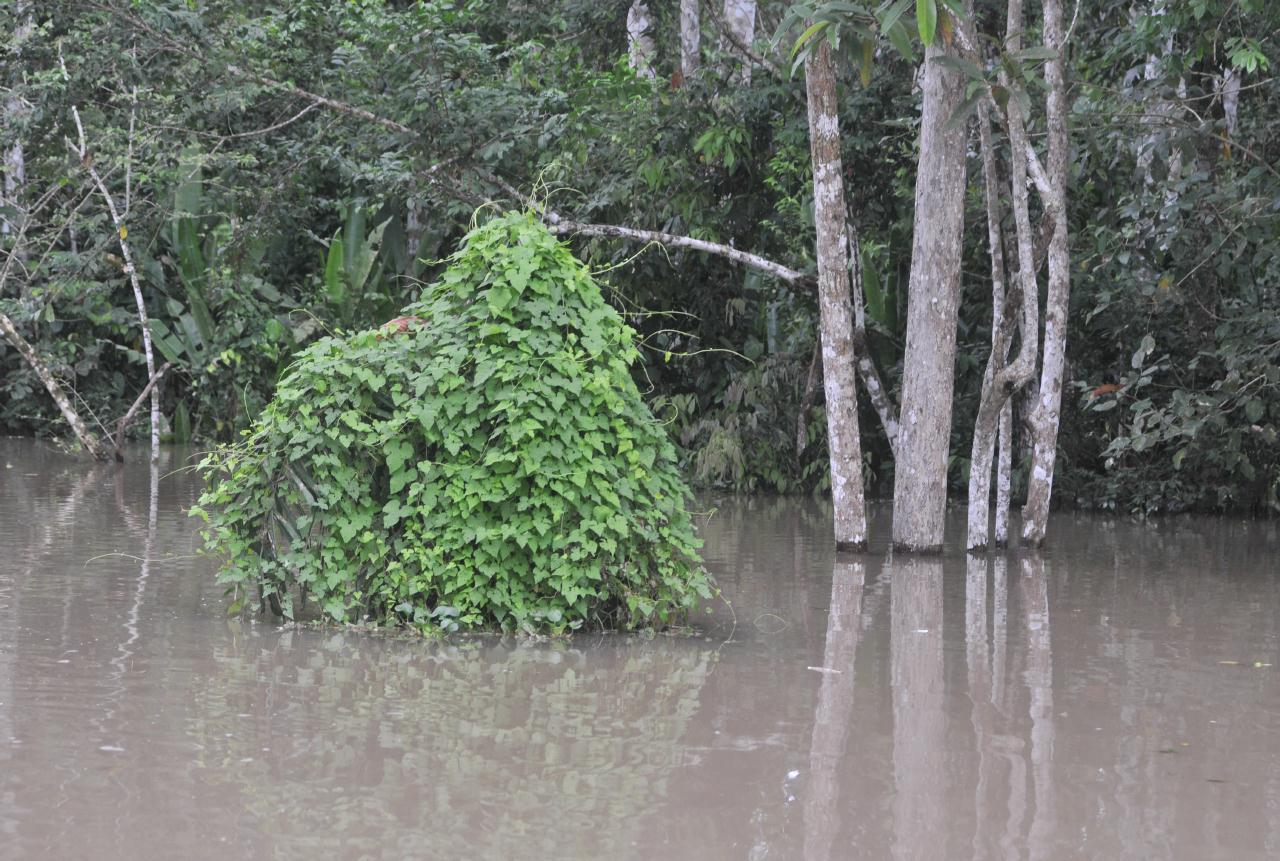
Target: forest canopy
[(193, 193)]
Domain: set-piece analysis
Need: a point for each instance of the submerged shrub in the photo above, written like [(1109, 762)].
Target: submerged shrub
[(484, 461)]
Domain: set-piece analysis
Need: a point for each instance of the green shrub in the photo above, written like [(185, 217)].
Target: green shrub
[(485, 461)]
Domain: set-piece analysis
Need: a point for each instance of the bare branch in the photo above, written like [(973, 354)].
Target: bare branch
[(133, 409)]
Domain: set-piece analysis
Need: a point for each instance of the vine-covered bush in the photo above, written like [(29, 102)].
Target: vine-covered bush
[(484, 461)]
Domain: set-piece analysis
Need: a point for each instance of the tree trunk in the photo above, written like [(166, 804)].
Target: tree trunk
[(835, 309), (1231, 99), (15, 163), (1001, 380), (412, 236), (740, 19), (15, 176), (1044, 419), (984, 444), (28, 353), (690, 37), (1004, 470), (920, 477), (118, 219), (640, 47)]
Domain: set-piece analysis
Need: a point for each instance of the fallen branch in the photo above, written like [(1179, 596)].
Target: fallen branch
[(28, 353), (78, 427)]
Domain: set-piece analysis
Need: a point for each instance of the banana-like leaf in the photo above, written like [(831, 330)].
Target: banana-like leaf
[(927, 20)]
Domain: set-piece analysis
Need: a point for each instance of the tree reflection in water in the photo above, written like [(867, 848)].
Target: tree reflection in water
[(919, 722), (822, 811), (482, 749)]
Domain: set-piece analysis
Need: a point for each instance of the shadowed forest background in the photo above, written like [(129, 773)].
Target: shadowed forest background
[(282, 171)]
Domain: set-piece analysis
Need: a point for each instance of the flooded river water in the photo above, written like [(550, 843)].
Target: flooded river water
[(1116, 698)]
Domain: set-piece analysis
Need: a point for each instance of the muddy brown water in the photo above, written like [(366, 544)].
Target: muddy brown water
[(1115, 698)]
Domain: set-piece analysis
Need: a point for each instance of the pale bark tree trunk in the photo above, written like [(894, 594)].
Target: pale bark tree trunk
[(984, 445), (690, 37), (1000, 380), (1004, 474), (640, 46), (118, 220), (740, 19), (15, 163), (920, 474), (1231, 100), (835, 309), (412, 236), (15, 176), (1044, 419), (832, 718)]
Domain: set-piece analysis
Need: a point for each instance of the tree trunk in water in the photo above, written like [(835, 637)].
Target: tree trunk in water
[(1001, 380), (984, 444), (1004, 470), (640, 47), (740, 18), (839, 380), (28, 353), (1044, 420), (690, 37), (920, 477)]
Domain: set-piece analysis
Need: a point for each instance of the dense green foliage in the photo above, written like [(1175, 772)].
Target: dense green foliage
[(485, 461), (263, 219)]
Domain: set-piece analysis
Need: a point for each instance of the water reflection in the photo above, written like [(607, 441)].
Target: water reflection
[(486, 749), (833, 715), (1114, 698), (919, 721)]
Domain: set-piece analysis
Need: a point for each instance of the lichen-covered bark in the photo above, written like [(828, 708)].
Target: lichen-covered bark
[(740, 19), (1004, 471), (640, 47), (15, 163), (131, 271), (1044, 420), (984, 442), (1001, 380), (690, 37), (920, 475), (839, 380)]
